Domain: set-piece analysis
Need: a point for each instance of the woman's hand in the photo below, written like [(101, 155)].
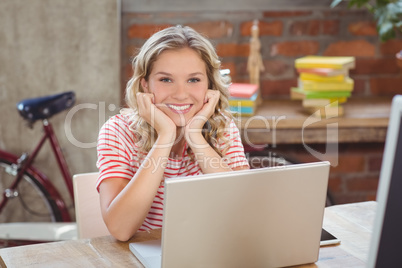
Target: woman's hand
[(194, 126), (208, 159), (210, 102), (154, 116)]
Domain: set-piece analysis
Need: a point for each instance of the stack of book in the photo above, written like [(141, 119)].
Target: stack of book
[(324, 84), (243, 98)]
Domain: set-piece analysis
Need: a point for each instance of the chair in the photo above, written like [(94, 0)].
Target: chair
[(87, 208)]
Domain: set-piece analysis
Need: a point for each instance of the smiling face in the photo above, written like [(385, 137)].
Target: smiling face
[(179, 82)]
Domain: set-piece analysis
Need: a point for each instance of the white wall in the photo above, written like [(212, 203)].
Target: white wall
[(51, 46)]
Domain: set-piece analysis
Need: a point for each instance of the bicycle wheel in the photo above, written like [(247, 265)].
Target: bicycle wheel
[(30, 202)]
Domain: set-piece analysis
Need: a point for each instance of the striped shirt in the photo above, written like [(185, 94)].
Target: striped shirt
[(120, 157)]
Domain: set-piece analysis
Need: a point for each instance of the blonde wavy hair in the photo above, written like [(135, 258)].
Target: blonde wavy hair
[(176, 38)]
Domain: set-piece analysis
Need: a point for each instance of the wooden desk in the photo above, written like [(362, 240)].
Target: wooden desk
[(352, 223), (285, 122)]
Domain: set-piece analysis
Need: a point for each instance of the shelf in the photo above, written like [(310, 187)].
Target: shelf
[(285, 122)]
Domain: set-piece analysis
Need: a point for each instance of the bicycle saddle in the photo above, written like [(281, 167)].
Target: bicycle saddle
[(45, 107)]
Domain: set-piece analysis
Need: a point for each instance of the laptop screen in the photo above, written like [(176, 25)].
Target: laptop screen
[(386, 245)]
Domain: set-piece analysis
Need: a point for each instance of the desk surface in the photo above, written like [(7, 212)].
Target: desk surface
[(351, 223), (284, 121)]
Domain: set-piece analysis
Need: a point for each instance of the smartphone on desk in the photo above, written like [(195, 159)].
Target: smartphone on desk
[(328, 238)]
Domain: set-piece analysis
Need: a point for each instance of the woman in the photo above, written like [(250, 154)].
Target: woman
[(176, 125)]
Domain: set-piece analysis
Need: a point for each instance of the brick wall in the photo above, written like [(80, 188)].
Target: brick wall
[(356, 176), (353, 179), (285, 36)]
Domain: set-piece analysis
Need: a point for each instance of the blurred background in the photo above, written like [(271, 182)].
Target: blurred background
[(51, 46)]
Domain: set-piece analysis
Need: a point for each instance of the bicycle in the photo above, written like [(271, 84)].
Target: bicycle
[(27, 194)]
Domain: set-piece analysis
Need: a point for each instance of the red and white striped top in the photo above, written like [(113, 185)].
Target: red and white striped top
[(119, 157)]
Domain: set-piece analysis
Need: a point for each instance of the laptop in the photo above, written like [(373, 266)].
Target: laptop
[(385, 246), (268, 217)]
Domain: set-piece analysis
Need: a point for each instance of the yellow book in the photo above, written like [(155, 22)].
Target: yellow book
[(346, 85), (320, 78), (300, 94), (325, 62), (323, 102), (246, 102), (323, 71)]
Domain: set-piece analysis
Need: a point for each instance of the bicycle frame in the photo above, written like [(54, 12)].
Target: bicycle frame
[(27, 166)]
